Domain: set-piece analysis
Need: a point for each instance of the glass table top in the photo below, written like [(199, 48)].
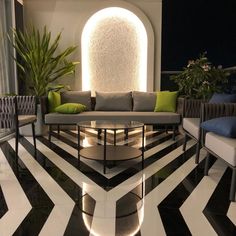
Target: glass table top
[(108, 124)]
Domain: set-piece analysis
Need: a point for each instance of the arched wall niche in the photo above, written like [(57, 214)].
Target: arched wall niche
[(117, 46)]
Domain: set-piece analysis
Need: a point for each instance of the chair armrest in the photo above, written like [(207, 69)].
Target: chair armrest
[(180, 106), (192, 108)]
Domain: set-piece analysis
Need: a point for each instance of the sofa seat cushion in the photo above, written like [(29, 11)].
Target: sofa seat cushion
[(191, 125), (222, 146), (145, 117)]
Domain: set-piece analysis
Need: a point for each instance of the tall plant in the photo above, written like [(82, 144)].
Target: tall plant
[(38, 59), (200, 79)]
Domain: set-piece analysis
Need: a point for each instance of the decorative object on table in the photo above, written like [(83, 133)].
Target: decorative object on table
[(200, 79)]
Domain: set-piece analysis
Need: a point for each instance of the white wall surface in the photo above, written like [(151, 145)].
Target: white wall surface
[(70, 16)]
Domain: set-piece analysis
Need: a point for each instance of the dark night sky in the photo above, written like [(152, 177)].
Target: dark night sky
[(191, 27)]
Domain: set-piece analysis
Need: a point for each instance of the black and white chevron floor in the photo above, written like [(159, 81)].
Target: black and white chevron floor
[(51, 196)]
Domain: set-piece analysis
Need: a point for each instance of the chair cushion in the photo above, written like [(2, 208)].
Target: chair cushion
[(225, 126), (222, 98), (191, 125), (144, 101), (25, 119), (224, 147), (70, 108), (166, 101), (113, 101), (82, 97)]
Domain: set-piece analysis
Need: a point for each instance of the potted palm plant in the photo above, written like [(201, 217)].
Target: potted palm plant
[(40, 62)]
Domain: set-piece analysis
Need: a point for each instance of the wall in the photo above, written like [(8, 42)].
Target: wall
[(70, 17)]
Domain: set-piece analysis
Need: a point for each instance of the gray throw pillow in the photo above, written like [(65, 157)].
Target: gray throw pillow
[(144, 101), (82, 97), (113, 101)]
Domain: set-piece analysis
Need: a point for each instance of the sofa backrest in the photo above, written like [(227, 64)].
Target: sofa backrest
[(83, 97), (113, 101), (144, 101), (127, 101)]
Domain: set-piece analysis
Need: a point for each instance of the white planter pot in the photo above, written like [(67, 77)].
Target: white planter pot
[(40, 128)]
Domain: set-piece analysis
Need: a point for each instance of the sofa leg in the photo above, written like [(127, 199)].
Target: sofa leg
[(174, 130), (99, 133), (58, 130), (197, 152), (166, 129), (78, 146), (126, 134), (207, 161), (233, 186), (34, 138), (50, 133), (185, 142)]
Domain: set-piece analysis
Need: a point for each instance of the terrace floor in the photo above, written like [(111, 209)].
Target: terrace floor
[(170, 196)]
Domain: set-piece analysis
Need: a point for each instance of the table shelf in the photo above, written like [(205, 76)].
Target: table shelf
[(113, 153)]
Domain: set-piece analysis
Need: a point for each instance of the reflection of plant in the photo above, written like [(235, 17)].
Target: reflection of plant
[(200, 79), (39, 61)]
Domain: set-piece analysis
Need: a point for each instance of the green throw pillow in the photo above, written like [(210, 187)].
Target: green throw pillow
[(54, 100), (166, 101), (70, 108)]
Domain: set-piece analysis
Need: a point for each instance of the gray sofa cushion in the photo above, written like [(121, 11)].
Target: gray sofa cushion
[(144, 101), (113, 101), (145, 117), (83, 97)]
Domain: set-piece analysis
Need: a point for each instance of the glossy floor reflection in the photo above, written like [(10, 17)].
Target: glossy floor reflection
[(51, 195)]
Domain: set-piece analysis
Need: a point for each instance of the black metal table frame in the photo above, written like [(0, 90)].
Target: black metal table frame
[(105, 144)]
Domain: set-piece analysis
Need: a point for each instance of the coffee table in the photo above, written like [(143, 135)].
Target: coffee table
[(110, 152)]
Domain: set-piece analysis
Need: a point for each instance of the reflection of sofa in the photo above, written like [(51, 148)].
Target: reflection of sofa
[(131, 106)]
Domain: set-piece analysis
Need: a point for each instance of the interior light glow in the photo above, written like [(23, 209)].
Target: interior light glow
[(86, 188), (139, 72)]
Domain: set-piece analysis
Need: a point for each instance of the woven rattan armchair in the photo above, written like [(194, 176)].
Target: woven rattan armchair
[(217, 145), (15, 112), (191, 123)]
